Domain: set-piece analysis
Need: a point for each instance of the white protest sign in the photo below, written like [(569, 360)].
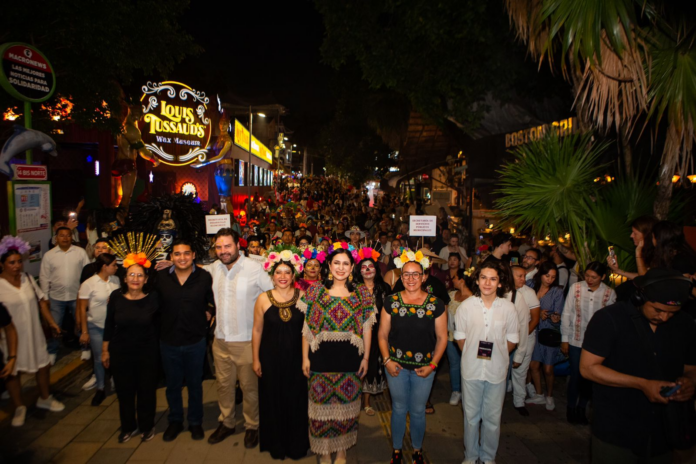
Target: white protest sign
[(422, 226), (215, 222)]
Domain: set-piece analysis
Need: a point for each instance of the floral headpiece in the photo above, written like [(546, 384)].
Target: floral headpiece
[(367, 252), (469, 272), (312, 253), (399, 251), (9, 242), (344, 246), (409, 256), (288, 254), (135, 248)]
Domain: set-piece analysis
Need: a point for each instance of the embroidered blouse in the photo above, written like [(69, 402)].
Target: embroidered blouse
[(331, 318), (412, 336), (580, 305)]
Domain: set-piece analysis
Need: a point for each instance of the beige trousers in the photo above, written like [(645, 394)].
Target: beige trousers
[(233, 361)]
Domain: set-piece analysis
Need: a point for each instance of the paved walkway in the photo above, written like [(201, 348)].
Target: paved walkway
[(86, 434)]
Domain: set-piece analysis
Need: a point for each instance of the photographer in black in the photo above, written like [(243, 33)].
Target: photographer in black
[(641, 356)]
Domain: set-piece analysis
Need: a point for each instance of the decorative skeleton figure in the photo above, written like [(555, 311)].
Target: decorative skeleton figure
[(402, 312), (419, 357), (399, 353), (166, 229), (420, 313)]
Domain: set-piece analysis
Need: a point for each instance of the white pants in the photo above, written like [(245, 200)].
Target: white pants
[(482, 400), (519, 375)]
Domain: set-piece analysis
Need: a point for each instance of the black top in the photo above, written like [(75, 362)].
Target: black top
[(5, 318), (131, 325), (623, 416), (412, 336), (433, 285), (184, 306)]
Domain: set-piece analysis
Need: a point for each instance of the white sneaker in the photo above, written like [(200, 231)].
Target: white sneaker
[(50, 403), (52, 358), (19, 415), (536, 399), (531, 391), (5, 395), (508, 388), (456, 398), (550, 403), (86, 355), (91, 383)]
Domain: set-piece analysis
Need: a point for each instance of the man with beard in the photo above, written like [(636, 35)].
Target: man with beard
[(237, 283)]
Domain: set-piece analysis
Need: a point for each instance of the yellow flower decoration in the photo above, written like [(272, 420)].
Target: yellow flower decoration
[(409, 354), (395, 310), (404, 258), (419, 255), (429, 313), (413, 310)]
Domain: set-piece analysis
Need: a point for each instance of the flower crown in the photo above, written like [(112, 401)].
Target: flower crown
[(409, 256), (469, 272), (312, 253), (367, 252), (288, 254), (344, 246), (399, 251), (9, 242), (135, 248)]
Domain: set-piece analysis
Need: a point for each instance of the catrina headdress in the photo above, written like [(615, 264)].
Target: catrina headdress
[(135, 248)]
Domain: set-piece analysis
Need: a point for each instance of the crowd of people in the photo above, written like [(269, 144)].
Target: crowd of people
[(323, 300)]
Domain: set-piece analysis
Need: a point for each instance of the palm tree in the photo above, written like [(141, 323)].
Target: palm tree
[(626, 59)]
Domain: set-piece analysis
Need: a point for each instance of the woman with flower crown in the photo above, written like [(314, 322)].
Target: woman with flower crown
[(312, 259), (412, 340), (337, 334), (276, 343), (24, 301)]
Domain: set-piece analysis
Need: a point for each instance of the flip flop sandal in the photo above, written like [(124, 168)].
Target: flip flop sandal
[(369, 411), (429, 408)]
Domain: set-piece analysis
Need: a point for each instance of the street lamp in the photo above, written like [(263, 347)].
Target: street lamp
[(251, 126)]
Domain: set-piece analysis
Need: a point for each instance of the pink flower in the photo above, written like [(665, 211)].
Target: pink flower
[(307, 253), (295, 259), (273, 256), (321, 256), (267, 266)]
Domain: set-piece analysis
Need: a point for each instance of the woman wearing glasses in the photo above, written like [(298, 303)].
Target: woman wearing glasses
[(412, 340), (130, 350)]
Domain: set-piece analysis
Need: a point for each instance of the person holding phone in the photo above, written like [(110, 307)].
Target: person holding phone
[(637, 353)]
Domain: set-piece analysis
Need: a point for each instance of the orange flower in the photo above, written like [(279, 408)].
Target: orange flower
[(429, 313), (413, 310), (409, 354)]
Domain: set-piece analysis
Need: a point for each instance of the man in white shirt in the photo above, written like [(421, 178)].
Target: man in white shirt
[(453, 247), (530, 261), (60, 272), (486, 331), (237, 283), (520, 365)]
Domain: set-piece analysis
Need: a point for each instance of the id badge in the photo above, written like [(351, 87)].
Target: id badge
[(485, 350)]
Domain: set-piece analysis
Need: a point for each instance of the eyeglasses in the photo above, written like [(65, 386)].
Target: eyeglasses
[(529, 258), (411, 275), (133, 275)]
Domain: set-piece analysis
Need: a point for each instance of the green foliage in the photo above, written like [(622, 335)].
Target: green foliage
[(98, 47)]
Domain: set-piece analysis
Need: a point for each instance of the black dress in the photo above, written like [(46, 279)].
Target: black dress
[(375, 382), (283, 402)]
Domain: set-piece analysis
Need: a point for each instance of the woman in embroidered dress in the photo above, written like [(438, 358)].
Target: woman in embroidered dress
[(412, 340), (584, 299), (312, 260), (277, 359), (368, 273), (24, 301), (545, 284), (337, 334)]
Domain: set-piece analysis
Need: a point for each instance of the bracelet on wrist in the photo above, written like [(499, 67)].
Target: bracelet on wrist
[(433, 365), (386, 362)]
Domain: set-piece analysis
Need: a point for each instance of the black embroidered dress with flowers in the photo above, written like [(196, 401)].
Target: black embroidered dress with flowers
[(412, 337)]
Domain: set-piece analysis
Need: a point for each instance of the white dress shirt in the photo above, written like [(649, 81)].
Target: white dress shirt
[(580, 305), (444, 254), (497, 324), (523, 318), (530, 297), (236, 291), (530, 275), (97, 291), (60, 272)]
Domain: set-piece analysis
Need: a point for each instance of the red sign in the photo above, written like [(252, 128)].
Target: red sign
[(29, 172)]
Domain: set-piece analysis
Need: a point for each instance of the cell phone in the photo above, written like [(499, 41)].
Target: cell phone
[(666, 392), (514, 260), (611, 253), (72, 214)]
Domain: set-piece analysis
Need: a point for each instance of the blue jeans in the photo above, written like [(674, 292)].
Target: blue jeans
[(409, 394), (454, 356), (96, 337), (58, 309), (184, 363), (579, 388)]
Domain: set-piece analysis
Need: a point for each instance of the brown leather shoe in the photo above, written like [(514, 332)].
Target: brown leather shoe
[(220, 434), (251, 438)]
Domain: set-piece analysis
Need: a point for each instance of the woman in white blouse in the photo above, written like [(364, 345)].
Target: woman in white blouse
[(584, 299)]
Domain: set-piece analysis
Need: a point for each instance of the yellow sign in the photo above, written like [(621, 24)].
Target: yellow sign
[(562, 127), (241, 139)]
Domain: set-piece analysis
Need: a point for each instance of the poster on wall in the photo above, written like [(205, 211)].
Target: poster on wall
[(256, 175), (242, 170), (29, 205)]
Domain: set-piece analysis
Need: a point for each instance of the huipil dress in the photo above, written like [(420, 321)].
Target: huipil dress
[(334, 328)]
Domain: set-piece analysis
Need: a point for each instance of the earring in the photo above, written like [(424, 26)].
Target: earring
[(330, 276), (350, 277)]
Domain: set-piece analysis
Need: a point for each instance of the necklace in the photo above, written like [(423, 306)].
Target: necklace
[(284, 308)]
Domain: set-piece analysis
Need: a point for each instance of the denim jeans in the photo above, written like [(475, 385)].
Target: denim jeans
[(483, 405), (184, 363), (409, 394), (96, 337), (454, 356), (579, 388), (58, 309)]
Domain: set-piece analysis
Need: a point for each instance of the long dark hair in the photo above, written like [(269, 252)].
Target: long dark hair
[(670, 241), (104, 259), (381, 288), (503, 275), (328, 283), (544, 269), (644, 225)]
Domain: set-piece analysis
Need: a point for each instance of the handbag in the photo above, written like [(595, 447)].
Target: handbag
[(550, 337), (679, 416)]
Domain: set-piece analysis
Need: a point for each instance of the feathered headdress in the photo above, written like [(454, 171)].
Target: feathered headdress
[(135, 248), (288, 254), (10, 242), (409, 256)]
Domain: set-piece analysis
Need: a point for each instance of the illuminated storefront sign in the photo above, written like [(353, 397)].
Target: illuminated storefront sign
[(562, 127), (241, 139), (176, 123)]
